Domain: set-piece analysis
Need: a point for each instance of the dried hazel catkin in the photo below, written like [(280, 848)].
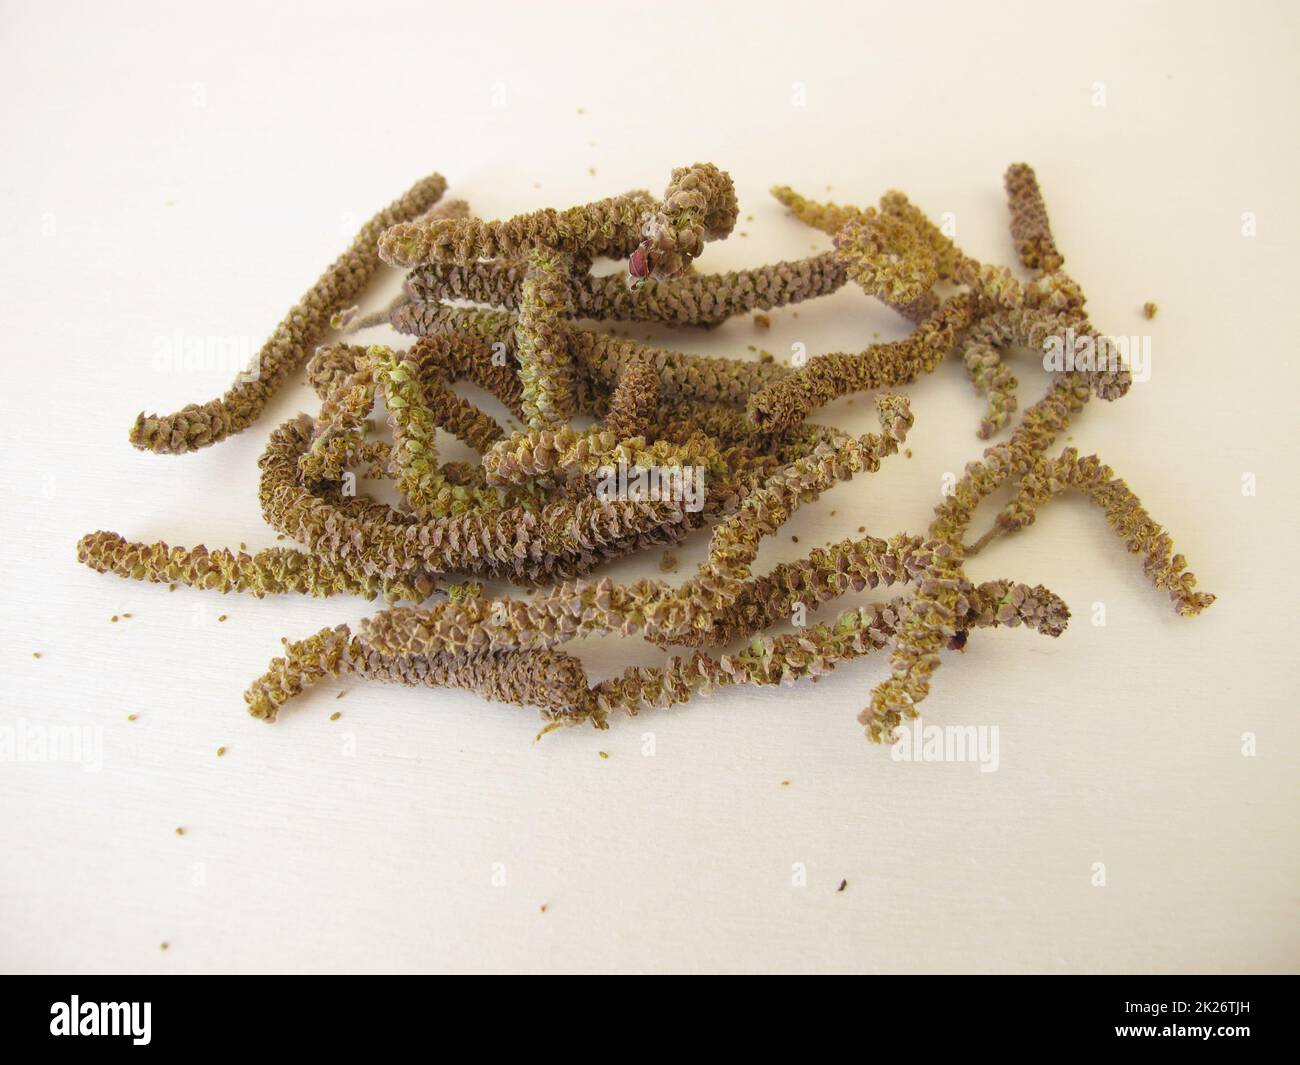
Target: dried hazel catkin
[(728, 437)]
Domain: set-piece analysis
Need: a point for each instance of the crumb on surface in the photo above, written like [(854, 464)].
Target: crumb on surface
[(604, 755), (843, 885), (336, 715), (763, 321), (132, 717), (221, 752), (222, 617), (668, 562), (1150, 309), (36, 654), (785, 783), (180, 830)]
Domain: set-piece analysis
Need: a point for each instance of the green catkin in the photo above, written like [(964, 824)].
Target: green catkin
[(414, 455), (200, 425)]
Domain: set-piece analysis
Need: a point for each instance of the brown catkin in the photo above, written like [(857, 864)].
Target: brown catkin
[(200, 425), (538, 508)]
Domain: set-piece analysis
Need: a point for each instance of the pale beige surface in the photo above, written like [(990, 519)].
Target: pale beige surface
[(167, 172)]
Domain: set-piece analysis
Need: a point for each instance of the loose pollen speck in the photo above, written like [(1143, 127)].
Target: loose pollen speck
[(336, 715), (604, 754), (132, 717), (221, 752)]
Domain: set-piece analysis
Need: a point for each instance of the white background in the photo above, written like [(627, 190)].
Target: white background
[(185, 171)]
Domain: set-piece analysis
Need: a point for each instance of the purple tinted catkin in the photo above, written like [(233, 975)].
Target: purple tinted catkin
[(1030, 228), (699, 205)]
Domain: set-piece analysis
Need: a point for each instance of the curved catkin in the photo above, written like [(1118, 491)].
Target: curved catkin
[(200, 425), (827, 377), (1030, 228), (694, 443), (693, 299), (414, 454), (331, 365), (602, 358), (699, 205), (990, 375), (819, 649), (540, 452), (1047, 478), (552, 681), (663, 613), (609, 227), (559, 540), (830, 218)]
